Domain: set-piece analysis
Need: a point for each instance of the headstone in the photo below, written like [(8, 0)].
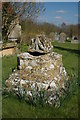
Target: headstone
[(14, 31), (75, 40), (67, 38), (51, 36), (56, 36), (62, 37)]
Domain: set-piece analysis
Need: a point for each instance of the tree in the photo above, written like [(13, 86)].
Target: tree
[(71, 33), (63, 25), (20, 10), (8, 14)]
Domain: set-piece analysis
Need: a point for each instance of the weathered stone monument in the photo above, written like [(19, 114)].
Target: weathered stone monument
[(75, 40), (40, 44), (14, 31), (39, 69), (62, 37), (56, 36), (51, 36)]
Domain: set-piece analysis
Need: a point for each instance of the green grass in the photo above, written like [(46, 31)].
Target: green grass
[(70, 58), (13, 108), (8, 63), (19, 109), (66, 45), (23, 47)]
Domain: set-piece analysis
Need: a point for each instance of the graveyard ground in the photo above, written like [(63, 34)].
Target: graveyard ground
[(14, 108)]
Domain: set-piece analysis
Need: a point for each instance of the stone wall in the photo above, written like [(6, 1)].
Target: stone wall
[(8, 49)]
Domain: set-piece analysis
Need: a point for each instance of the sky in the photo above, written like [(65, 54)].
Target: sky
[(59, 12)]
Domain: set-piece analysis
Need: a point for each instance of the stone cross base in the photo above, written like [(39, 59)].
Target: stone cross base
[(37, 73)]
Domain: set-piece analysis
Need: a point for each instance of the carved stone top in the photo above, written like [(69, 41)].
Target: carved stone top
[(40, 44)]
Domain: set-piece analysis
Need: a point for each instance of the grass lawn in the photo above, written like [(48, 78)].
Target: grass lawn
[(70, 54), (14, 108)]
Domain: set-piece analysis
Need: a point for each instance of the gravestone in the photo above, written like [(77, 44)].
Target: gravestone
[(14, 31), (67, 38), (62, 37), (39, 69), (51, 36), (56, 36), (75, 40)]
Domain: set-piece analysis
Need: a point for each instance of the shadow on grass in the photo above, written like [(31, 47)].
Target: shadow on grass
[(68, 49)]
